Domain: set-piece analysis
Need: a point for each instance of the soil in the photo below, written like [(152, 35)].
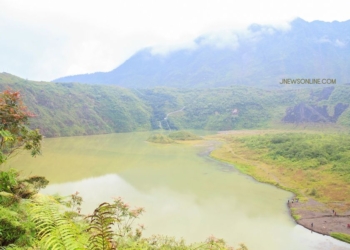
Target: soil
[(320, 218)]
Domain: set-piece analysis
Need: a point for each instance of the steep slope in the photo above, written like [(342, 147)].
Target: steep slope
[(74, 109), (238, 107), (261, 56)]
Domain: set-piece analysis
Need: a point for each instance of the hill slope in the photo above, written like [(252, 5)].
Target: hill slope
[(74, 109), (66, 109)]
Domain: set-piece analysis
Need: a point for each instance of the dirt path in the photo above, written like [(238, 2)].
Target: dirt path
[(166, 117), (177, 111)]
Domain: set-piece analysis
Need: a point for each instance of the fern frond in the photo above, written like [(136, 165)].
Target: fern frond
[(101, 222), (54, 230)]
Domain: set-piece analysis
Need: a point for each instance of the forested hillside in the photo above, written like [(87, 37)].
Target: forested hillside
[(67, 109), (77, 109)]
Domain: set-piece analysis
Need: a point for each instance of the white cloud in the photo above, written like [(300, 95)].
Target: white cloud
[(221, 39), (43, 40), (339, 43)]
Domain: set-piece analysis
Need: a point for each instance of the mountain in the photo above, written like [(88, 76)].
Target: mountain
[(68, 109), (261, 56)]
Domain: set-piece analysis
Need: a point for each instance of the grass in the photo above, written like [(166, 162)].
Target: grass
[(341, 236), (294, 215), (252, 153), (312, 165)]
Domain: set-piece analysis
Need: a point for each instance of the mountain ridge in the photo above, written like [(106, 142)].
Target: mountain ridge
[(264, 55)]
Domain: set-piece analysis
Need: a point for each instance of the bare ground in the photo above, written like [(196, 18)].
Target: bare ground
[(320, 218)]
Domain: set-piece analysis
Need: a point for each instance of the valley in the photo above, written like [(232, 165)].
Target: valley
[(218, 142), (71, 109), (175, 183)]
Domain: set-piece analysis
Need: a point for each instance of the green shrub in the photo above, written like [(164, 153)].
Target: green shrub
[(11, 229), (160, 138), (183, 136)]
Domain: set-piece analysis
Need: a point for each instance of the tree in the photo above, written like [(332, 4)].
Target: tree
[(15, 134), (14, 131)]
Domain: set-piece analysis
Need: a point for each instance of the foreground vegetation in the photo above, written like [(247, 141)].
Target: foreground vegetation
[(29, 220), (44, 222)]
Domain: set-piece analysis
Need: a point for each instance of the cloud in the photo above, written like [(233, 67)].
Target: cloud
[(44, 40), (340, 43), (336, 42), (220, 40)]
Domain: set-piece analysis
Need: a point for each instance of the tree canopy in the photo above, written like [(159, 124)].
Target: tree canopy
[(14, 130)]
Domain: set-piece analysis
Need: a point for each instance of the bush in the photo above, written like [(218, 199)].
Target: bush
[(183, 136), (11, 229), (160, 138)]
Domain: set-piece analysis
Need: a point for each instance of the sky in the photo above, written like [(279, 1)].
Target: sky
[(43, 40)]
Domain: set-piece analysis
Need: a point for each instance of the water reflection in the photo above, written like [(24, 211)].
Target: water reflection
[(182, 214), (185, 194)]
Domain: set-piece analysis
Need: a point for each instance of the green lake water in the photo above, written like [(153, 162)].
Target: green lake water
[(184, 192)]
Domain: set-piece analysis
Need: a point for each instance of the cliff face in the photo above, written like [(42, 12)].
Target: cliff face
[(323, 105), (311, 113)]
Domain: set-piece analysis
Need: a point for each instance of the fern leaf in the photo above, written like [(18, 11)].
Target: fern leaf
[(54, 230), (101, 227)]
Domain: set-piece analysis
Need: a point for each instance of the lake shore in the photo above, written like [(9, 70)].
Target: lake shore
[(318, 217), (321, 216)]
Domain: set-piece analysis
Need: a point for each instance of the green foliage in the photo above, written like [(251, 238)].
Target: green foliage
[(160, 138), (341, 236), (40, 222), (77, 109), (14, 132), (15, 227), (13, 215), (75, 202), (165, 242), (313, 192), (109, 227), (161, 103), (13, 188), (8, 180), (183, 136), (104, 236), (55, 231), (101, 227), (11, 228), (305, 151), (68, 109)]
